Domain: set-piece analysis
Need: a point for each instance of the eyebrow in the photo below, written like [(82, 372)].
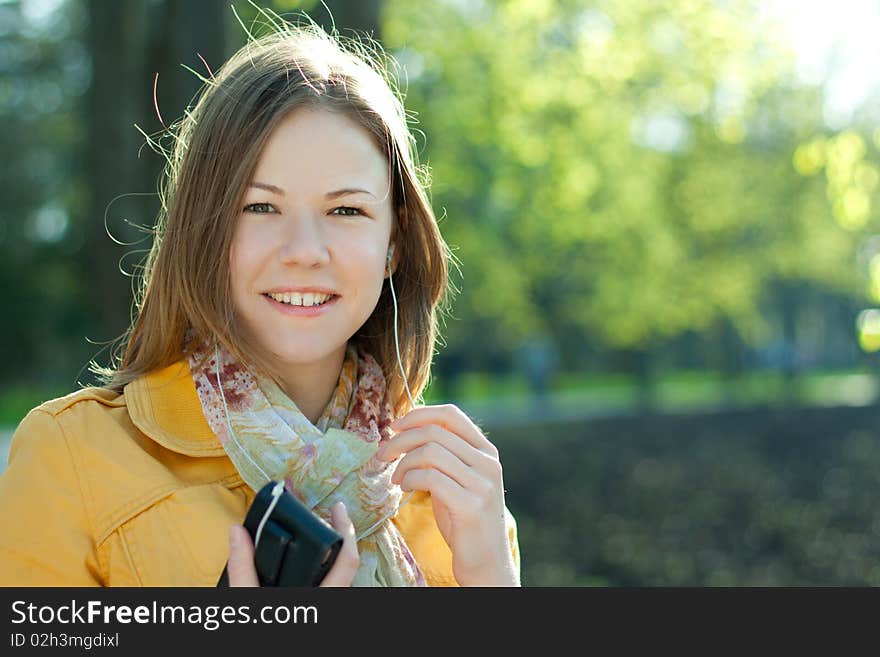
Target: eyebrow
[(329, 195)]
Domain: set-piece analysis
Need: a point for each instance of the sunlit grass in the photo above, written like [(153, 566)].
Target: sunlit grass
[(673, 391)]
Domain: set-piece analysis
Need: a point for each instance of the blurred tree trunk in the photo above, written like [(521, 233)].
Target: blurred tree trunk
[(114, 34), (359, 15), (182, 30), (129, 42)]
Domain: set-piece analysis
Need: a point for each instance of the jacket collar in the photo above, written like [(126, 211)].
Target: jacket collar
[(165, 406)]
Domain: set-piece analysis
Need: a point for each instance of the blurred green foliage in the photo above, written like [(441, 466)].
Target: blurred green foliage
[(622, 171)]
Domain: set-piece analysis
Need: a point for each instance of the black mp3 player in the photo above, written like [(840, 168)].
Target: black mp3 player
[(296, 547)]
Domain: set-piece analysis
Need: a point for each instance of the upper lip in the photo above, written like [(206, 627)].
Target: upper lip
[(301, 290)]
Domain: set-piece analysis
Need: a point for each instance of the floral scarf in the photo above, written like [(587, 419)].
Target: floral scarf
[(320, 464)]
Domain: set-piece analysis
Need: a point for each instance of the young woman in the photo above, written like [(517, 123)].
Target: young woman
[(269, 345)]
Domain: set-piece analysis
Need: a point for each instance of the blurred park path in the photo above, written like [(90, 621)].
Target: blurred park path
[(5, 438)]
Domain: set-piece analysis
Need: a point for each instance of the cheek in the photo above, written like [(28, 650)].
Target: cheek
[(244, 252), (236, 267), (357, 258), (371, 271), (244, 256)]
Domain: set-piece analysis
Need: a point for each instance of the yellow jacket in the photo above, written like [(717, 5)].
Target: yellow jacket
[(134, 489)]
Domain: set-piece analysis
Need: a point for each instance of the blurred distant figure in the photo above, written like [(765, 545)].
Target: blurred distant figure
[(540, 360)]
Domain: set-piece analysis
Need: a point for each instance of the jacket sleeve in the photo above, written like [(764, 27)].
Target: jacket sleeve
[(46, 537)]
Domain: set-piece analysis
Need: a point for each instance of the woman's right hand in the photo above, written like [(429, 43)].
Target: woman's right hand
[(242, 571)]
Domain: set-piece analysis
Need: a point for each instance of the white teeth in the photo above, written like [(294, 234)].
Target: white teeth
[(294, 299)]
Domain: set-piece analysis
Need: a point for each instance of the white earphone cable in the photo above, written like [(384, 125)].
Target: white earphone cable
[(405, 384), (226, 414), (396, 341), (279, 487)]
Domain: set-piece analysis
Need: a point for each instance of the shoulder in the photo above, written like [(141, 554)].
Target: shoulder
[(44, 481), (90, 425), (103, 397), (115, 505), (71, 418), (97, 435), (43, 430), (86, 439)]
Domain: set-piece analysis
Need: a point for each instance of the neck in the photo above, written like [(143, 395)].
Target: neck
[(311, 386)]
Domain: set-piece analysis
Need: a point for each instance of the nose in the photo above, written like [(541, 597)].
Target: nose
[(303, 242)]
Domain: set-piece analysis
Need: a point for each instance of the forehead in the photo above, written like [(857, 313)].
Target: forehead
[(312, 147)]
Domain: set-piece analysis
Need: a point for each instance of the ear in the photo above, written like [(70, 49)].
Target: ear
[(395, 258), (394, 243)]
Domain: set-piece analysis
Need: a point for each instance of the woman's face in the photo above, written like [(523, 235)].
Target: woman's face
[(317, 214)]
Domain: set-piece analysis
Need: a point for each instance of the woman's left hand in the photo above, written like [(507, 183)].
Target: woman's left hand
[(448, 455)]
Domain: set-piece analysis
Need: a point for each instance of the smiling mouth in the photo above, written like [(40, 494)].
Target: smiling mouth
[(301, 300)]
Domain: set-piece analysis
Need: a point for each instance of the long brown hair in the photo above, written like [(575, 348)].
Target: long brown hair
[(186, 277)]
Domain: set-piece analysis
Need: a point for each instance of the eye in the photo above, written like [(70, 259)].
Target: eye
[(347, 211), (247, 208)]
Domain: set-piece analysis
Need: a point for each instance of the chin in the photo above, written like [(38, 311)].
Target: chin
[(302, 352)]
